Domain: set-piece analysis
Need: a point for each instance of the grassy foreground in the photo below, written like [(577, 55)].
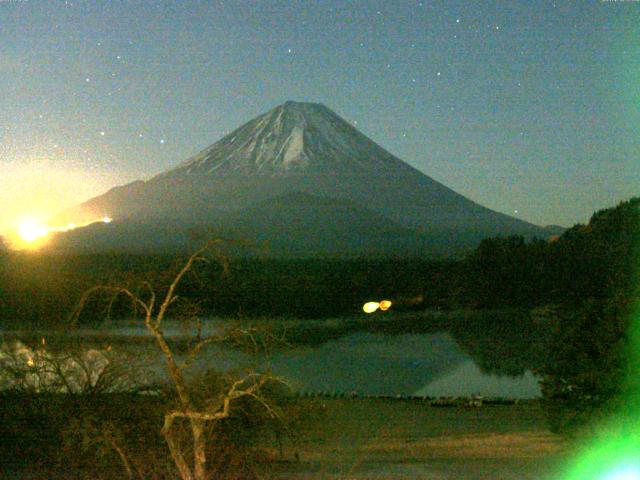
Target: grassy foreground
[(393, 439), (330, 438)]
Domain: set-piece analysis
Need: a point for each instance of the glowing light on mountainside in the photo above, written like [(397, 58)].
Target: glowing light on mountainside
[(31, 230), (32, 234)]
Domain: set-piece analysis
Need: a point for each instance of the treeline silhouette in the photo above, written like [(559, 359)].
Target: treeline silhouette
[(591, 261), (588, 261), (41, 290)]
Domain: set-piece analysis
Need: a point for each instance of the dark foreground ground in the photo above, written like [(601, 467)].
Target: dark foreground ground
[(333, 438), (408, 439)]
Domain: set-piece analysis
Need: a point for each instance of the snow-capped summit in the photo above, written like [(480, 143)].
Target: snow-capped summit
[(291, 138)]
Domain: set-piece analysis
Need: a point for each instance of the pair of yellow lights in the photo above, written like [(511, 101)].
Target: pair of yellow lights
[(371, 307)]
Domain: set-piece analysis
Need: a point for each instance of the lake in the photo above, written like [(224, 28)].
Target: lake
[(357, 362)]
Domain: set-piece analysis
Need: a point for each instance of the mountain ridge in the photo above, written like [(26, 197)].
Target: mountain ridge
[(309, 149)]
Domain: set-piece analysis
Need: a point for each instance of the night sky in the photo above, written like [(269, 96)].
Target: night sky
[(531, 108)]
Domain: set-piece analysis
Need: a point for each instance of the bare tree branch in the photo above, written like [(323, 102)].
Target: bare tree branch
[(197, 417)]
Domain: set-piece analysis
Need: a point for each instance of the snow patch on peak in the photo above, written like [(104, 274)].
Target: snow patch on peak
[(292, 137), (294, 152)]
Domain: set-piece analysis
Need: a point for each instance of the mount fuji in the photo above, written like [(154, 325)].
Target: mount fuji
[(300, 178)]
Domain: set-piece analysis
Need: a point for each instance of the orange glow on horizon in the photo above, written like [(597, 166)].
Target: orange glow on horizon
[(31, 230), (41, 184), (32, 234)]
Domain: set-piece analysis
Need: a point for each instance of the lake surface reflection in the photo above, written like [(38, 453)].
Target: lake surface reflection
[(363, 362), (412, 364)]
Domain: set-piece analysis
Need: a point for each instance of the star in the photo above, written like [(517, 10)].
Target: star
[(87, 79), (102, 133), (457, 20), (162, 140)]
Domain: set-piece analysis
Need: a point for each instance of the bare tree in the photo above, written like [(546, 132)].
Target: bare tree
[(197, 413), (76, 371)]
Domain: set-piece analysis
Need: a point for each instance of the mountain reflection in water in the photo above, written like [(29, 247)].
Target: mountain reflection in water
[(413, 364), (424, 353)]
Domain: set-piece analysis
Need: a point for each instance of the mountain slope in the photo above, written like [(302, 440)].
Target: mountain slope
[(305, 149), (295, 225)]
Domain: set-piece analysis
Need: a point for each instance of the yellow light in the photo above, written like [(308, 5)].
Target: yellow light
[(370, 307), (385, 305), (32, 234), (30, 230)]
